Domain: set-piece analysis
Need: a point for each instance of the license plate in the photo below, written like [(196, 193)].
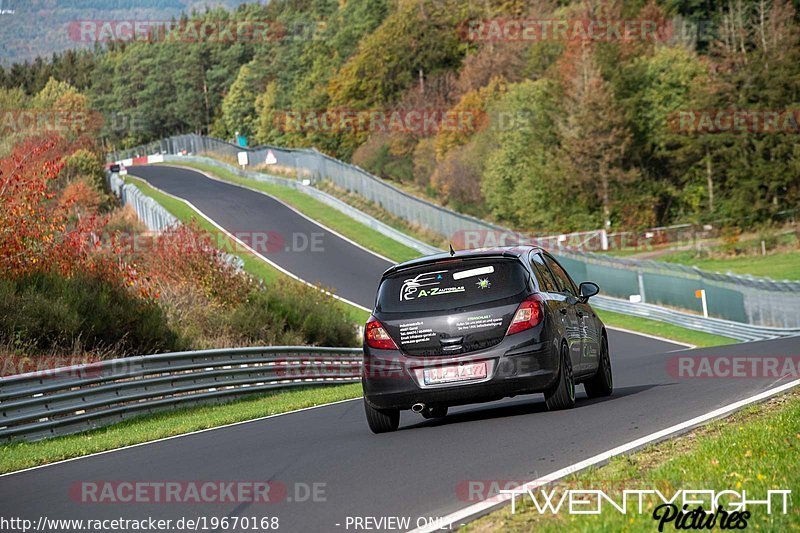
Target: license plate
[(453, 373)]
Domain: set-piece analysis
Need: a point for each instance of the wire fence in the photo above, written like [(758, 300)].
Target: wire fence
[(753, 300)]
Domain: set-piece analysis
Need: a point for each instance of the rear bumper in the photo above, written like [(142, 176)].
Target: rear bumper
[(520, 364)]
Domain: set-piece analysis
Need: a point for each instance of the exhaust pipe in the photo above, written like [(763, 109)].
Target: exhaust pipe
[(418, 407)]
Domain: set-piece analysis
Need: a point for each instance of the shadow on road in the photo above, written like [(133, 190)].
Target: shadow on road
[(534, 405)]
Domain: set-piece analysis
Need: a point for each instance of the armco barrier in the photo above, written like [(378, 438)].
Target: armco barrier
[(582, 271), (715, 326), (758, 301), (150, 212), (322, 196), (72, 399), (154, 216)]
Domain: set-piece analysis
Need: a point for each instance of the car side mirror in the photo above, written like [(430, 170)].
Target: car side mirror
[(588, 289)]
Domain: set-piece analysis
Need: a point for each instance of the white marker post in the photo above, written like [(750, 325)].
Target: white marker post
[(243, 159), (702, 295)]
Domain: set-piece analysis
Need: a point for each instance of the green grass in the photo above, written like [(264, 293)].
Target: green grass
[(150, 427), (776, 265), (258, 268), (253, 264), (662, 329), (755, 449), (324, 214), (157, 426), (380, 213)]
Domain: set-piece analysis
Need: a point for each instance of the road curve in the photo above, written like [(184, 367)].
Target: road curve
[(293, 242), (424, 469)]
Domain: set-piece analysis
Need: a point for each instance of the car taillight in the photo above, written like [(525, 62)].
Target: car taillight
[(376, 336), (529, 314)]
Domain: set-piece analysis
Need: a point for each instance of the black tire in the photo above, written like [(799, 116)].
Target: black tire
[(440, 411), (562, 394), (382, 420), (602, 383)]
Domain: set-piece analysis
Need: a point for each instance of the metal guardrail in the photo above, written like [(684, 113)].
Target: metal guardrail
[(732, 297), (71, 399), (322, 196), (151, 213), (728, 328), (715, 326)]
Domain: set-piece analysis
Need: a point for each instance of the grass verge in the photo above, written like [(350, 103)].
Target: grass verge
[(258, 268), (322, 213), (755, 449), (775, 265), (143, 429), (376, 211), (662, 329), (252, 263), (21, 455)]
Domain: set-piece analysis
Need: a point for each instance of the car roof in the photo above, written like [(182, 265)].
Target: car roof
[(509, 252)]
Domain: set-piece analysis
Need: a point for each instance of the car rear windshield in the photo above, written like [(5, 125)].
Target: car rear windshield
[(452, 285)]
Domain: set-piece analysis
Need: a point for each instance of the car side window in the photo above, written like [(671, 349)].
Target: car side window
[(563, 278), (543, 275)]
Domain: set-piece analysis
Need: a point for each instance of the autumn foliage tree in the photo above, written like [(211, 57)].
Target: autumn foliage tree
[(594, 135)]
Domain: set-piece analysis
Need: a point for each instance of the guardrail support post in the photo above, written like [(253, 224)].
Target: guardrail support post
[(641, 285)]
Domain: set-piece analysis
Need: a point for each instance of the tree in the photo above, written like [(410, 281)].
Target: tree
[(524, 181), (594, 135), (239, 105), (414, 41), (51, 93)]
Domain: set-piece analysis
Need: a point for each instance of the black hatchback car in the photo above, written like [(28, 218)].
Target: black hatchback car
[(478, 326)]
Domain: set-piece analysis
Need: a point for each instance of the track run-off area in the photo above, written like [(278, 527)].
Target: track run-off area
[(326, 465)]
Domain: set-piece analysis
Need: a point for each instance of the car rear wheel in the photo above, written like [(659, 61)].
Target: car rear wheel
[(602, 383), (434, 412), (562, 395), (382, 420)]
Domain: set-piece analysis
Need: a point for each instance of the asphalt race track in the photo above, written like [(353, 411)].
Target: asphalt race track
[(424, 469), (294, 242)]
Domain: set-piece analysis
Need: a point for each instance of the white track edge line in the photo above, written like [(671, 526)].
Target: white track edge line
[(282, 202), (252, 250), (232, 424), (656, 337), (477, 510), (662, 339), (753, 399)]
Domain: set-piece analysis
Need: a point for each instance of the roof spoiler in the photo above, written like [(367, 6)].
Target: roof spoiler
[(446, 258)]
